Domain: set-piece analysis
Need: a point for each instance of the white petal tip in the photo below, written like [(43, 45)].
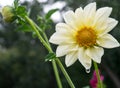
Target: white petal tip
[(57, 55), (88, 66), (50, 40), (116, 22), (68, 65), (94, 3), (53, 39), (118, 45), (115, 45), (98, 61), (108, 8)]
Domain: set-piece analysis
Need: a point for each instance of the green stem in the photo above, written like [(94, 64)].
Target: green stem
[(60, 65), (98, 75), (38, 34), (47, 45), (44, 35), (48, 48), (65, 73), (56, 73)]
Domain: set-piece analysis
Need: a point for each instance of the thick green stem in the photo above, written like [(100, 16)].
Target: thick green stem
[(43, 33), (65, 74), (61, 66), (48, 48), (56, 73), (98, 75), (38, 34)]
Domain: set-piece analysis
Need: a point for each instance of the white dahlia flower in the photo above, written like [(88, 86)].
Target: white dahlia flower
[(84, 35)]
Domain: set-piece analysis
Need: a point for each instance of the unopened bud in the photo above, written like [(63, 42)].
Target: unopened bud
[(8, 14)]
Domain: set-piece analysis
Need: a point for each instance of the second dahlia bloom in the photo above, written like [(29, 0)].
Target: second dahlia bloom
[(84, 35)]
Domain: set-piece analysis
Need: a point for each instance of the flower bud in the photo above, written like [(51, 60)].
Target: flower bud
[(8, 14)]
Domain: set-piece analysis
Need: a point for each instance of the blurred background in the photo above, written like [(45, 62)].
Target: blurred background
[(22, 63)]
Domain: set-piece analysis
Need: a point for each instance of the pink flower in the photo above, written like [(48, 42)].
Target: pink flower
[(94, 81)]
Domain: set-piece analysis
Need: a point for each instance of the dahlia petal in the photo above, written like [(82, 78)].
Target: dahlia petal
[(107, 26), (101, 16), (84, 59), (64, 49), (70, 19), (111, 24), (79, 16), (90, 8), (70, 58), (100, 20), (79, 12), (95, 53), (103, 13), (100, 27), (89, 12), (62, 27), (58, 38), (108, 41)]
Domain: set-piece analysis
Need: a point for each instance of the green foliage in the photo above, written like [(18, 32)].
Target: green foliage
[(46, 22), (21, 11), (50, 57), (16, 3), (49, 14), (24, 28)]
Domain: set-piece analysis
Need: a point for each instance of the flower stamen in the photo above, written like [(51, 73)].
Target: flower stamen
[(86, 37)]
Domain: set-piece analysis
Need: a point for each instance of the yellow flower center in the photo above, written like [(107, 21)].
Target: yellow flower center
[(86, 37)]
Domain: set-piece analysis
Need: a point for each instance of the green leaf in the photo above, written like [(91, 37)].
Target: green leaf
[(21, 11), (20, 20), (39, 18), (50, 57), (24, 28), (16, 3), (49, 14)]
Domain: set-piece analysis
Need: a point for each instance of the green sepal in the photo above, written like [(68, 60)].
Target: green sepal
[(21, 11)]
